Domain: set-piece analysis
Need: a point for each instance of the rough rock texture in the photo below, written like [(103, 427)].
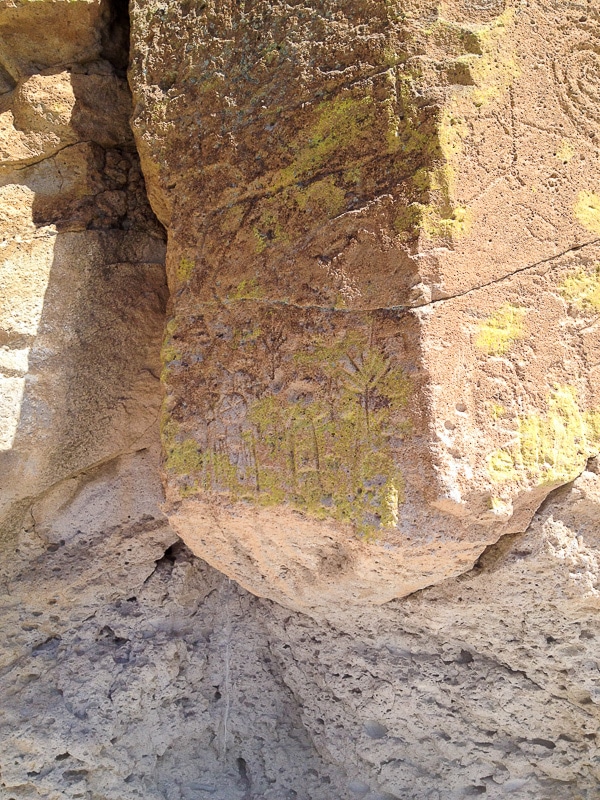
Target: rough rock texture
[(423, 148), (130, 675), (82, 290), (384, 283), (130, 672), (486, 685)]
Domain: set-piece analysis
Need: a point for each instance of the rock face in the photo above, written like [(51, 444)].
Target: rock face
[(468, 688), (383, 282), (82, 289), (380, 413), (126, 674), (130, 672)]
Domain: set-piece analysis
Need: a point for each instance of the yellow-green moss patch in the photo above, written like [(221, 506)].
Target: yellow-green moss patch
[(551, 447), (582, 288), (497, 333), (501, 467), (496, 68), (322, 197), (408, 220), (442, 217), (498, 411), (193, 466), (248, 289), (483, 62), (565, 152), (445, 221), (185, 268), (169, 350), (324, 443), (330, 455), (269, 230), (339, 123), (587, 211)]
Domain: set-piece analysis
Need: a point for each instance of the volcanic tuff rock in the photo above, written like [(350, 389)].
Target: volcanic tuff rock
[(82, 290), (380, 357), (383, 282), (129, 675)]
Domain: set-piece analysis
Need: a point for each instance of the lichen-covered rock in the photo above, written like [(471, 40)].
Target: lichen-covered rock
[(352, 413), (126, 674), (382, 246)]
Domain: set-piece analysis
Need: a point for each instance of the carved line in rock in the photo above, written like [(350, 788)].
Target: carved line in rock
[(578, 74), (262, 301)]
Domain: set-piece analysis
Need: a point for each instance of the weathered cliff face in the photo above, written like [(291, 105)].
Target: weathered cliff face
[(123, 678), (382, 243), (379, 357), (82, 289)]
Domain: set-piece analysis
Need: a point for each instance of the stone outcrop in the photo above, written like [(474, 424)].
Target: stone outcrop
[(379, 388), (82, 290), (127, 673), (383, 282), (130, 669)]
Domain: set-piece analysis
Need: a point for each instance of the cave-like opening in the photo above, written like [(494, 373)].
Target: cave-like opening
[(115, 37)]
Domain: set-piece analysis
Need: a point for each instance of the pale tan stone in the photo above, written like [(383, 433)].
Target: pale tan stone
[(416, 207), (131, 668)]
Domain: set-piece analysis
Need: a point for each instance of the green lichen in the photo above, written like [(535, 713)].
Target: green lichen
[(390, 511), (408, 220), (446, 221), (260, 240), (501, 467), (497, 411), (482, 60), (418, 136), (183, 458), (193, 466), (339, 123), (331, 456), (270, 230), (394, 124), (453, 130), (421, 179), (500, 507), (552, 447), (587, 211), (496, 68), (453, 38), (565, 152), (582, 288), (247, 336), (326, 452), (169, 350), (185, 269), (323, 197), (353, 175), (439, 217), (248, 289), (497, 333), (435, 220)]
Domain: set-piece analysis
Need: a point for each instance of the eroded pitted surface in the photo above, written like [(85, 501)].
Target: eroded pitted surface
[(382, 257), (82, 289), (129, 668), (130, 672), (135, 671), (476, 686)]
